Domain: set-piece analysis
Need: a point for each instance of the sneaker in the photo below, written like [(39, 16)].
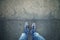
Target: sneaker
[(26, 28), (33, 28)]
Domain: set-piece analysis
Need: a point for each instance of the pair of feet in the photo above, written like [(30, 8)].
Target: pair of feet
[(29, 29)]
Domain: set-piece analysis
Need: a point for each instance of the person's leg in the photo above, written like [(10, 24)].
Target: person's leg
[(24, 35), (35, 35)]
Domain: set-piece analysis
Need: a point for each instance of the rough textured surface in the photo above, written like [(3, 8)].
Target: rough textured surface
[(45, 13), (31, 8)]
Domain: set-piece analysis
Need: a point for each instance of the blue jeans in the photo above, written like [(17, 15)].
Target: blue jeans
[(35, 36)]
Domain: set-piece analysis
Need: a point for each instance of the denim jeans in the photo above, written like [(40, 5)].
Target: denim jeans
[(35, 36)]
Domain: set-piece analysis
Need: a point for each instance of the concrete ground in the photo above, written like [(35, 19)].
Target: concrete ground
[(14, 13)]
